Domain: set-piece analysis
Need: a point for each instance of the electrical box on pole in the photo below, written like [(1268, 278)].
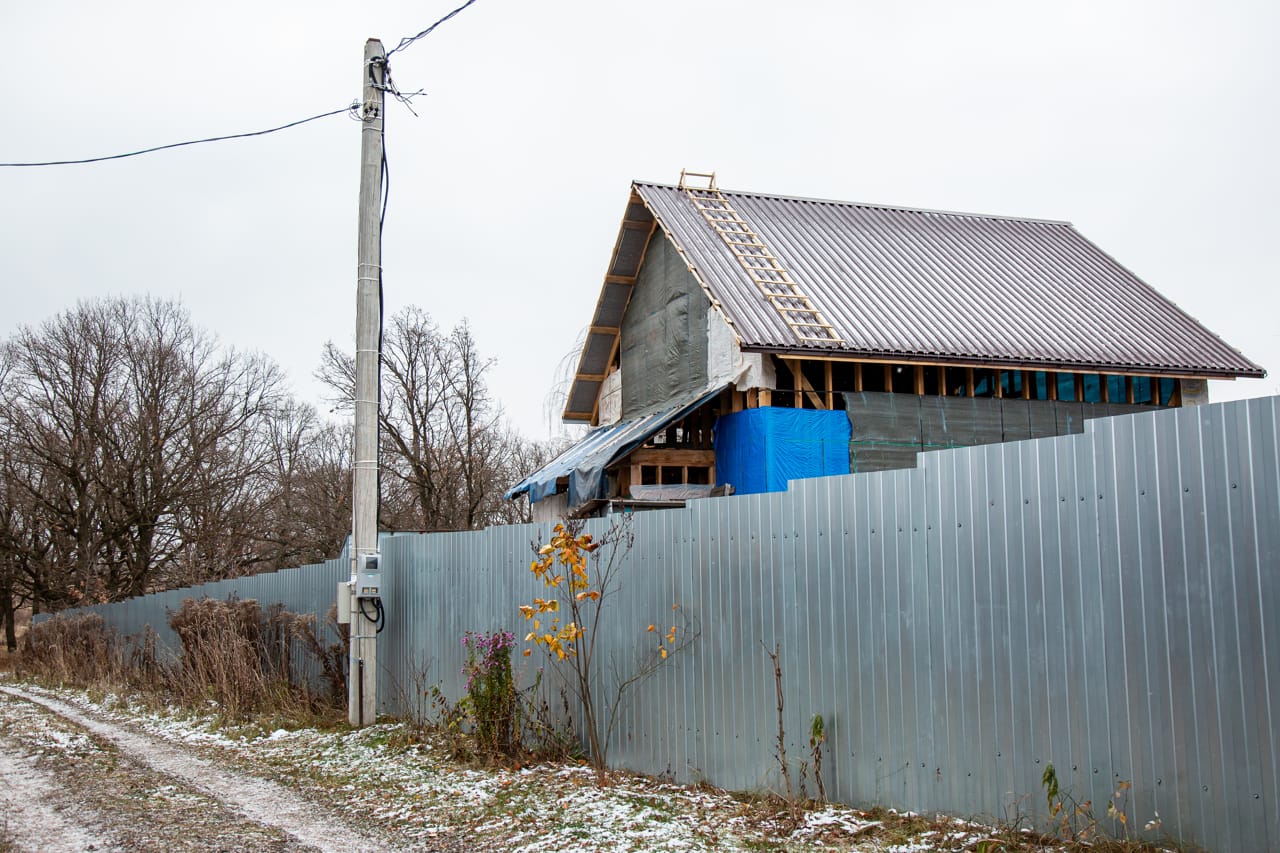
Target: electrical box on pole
[(369, 576), (365, 587)]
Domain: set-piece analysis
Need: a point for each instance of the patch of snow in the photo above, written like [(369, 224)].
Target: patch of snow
[(27, 798), (258, 799)]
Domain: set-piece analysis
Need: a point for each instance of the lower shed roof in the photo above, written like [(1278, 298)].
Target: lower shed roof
[(584, 463)]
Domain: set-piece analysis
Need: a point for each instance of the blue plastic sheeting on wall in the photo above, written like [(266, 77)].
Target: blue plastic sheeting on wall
[(759, 450)]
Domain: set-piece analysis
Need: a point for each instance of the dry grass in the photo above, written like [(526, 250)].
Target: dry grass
[(73, 650), (238, 656), (244, 658)]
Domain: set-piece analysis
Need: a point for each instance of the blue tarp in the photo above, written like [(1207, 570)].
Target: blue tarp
[(759, 450), (584, 464)]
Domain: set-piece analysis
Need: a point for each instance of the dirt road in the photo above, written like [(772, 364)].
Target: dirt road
[(70, 781), (107, 772)]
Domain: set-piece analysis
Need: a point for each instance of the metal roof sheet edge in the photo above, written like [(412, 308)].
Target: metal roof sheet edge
[(973, 360), (873, 205)]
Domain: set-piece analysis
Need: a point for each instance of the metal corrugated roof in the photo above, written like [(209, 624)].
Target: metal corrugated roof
[(905, 284)]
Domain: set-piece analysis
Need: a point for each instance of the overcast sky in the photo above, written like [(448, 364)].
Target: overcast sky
[(1152, 126)]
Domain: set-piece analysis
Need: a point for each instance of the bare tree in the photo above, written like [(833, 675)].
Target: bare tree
[(446, 454), (138, 454), (306, 515), (190, 438), (61, 389), (132, 439)]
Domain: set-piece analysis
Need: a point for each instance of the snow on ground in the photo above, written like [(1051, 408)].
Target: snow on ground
[(31, 818), (258, 799), (392, 785)]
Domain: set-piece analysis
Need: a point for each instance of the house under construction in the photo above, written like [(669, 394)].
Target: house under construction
[(743, 340)]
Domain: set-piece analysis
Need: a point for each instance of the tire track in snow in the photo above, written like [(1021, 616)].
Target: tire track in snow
[(31, 819), (257, 799)]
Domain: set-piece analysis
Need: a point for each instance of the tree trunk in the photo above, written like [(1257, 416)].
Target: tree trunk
[(8, 618)]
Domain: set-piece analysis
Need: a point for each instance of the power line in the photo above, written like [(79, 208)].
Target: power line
[(347, 109), (352, 110), (405, 42)]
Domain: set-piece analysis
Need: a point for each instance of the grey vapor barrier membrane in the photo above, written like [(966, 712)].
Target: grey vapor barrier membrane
[(664, 333)]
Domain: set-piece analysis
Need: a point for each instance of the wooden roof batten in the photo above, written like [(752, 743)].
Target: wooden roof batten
[(611, 331)]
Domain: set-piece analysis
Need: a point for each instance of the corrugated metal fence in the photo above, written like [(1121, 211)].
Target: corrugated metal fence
[(1108, 602)]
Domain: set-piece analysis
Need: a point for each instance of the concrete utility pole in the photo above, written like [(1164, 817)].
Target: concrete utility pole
[(362, 680)]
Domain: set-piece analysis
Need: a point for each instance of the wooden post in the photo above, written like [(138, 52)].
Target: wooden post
[(362, 681)]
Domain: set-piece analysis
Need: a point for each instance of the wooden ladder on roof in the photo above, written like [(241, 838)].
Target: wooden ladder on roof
[(776, 284)]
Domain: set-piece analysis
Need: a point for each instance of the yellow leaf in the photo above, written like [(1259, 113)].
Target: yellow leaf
[(528, 637), (651, 629), (664, 653), (528, 652), (546, 549)]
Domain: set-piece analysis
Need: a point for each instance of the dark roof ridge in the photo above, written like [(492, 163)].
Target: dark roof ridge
[(893, 207)]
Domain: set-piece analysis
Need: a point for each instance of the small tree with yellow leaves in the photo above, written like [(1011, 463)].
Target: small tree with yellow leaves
[(582, 574)]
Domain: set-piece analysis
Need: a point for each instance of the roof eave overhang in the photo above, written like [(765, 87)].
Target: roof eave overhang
[(1010, 363), (601, 344)]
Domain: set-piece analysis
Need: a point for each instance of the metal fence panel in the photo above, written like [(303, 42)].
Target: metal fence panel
[(1105, 601)]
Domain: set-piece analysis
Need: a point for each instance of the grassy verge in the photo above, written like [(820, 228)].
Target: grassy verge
[(234, 697)]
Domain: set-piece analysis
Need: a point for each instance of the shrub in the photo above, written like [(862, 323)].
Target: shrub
[(240, 656), (72, 650), (490, 688)]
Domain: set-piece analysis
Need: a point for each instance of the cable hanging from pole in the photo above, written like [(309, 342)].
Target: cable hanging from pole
[(405, 42), (350, 109)]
